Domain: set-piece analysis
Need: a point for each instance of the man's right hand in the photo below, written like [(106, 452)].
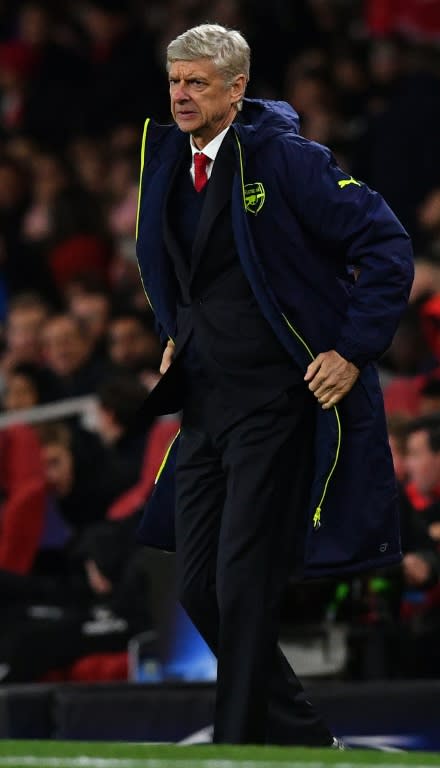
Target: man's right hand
[(167, 357)]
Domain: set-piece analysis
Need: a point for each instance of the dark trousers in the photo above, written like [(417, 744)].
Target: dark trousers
[(236, 531)]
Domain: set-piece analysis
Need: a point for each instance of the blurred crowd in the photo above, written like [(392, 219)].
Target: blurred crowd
[(77, 80)]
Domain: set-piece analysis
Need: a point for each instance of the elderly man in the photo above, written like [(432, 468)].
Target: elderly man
[(276, 278)]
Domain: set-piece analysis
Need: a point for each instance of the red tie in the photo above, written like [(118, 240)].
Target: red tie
[(200, 175)]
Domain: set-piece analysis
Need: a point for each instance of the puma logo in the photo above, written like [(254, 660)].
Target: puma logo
[(343, 182)]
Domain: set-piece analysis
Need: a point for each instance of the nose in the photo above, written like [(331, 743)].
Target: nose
[(179, 92)]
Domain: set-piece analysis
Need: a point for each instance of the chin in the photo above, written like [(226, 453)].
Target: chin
[(187, 127)]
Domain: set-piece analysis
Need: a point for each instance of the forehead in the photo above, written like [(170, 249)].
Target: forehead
[(127, 324), (418, 439), (62, 327), (183, 70), (54, 449), (25, 314), (18, 378), (86, 300)]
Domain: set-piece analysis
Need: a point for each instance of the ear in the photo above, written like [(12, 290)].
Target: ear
[(238, 88)]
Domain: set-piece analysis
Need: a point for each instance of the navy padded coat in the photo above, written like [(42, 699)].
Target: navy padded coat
[(331, 268)]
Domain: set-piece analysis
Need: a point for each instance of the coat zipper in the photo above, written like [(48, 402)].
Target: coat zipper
[(144, 141), (317, 515), (318, 508)]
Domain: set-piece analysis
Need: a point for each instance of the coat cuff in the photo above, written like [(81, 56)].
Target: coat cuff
[(352, 354)]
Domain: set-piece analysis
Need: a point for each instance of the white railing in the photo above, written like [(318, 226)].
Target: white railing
[(85, 407)]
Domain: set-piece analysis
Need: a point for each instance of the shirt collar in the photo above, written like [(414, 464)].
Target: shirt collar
[(212, 147)]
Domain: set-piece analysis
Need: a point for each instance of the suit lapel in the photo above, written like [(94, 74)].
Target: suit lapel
[(218, 194)]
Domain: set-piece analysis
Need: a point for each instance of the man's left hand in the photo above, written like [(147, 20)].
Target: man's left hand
[(330, 377)]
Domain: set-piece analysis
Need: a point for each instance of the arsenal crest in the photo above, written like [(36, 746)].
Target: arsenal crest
[(254, 197)]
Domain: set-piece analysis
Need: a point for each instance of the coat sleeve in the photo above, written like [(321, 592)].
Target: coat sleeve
[(353, 223)]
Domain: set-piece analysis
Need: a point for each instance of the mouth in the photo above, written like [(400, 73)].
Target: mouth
[(185, 114)]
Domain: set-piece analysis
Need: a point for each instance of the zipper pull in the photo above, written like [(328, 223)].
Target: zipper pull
[(317, 518)]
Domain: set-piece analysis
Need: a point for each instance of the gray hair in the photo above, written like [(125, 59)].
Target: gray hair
[(227, 49)]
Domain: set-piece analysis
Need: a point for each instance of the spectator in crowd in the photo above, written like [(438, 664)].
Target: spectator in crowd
[(411, 98), (93, 307), (120, 57), (429, 397), (409, 353), (27, 315), (13, 202), (16, 63), (397, 432), (117, 575), (87, 158), (70, 459), (26, 386), (69, 357), (94, 595), (23, 494), (132, 344), (423, 467), (49, 179), (386, 610), (51, 82), (415, 447), (124, 277), (71, 455), (122, 194), (120, 426), (423, 462), (78, 256), (420, 524), (161, 435), (428, 216), (394, 614), (21, 269)]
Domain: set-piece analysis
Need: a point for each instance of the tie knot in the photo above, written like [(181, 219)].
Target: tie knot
[(200, 164)]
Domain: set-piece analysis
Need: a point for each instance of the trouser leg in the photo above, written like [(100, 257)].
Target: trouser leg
[(235, 531), (267, 461)]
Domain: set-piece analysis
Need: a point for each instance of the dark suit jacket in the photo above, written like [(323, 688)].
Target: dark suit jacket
[(220, 326)]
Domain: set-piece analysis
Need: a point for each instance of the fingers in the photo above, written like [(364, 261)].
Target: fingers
[(332, 400), (330, 377), (166, 362), (313, 368), (167, 357)]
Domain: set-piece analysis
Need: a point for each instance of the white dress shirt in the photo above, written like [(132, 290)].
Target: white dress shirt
[(210, 151)]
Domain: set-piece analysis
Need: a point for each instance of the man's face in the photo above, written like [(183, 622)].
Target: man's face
[(201, 102), (422, 464), (93, 310), (130, 345), (59, 468), (20, 393), (23, 332), (65, 349)]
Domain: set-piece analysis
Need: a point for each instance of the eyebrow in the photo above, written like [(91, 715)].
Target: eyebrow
[(189, 76)]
